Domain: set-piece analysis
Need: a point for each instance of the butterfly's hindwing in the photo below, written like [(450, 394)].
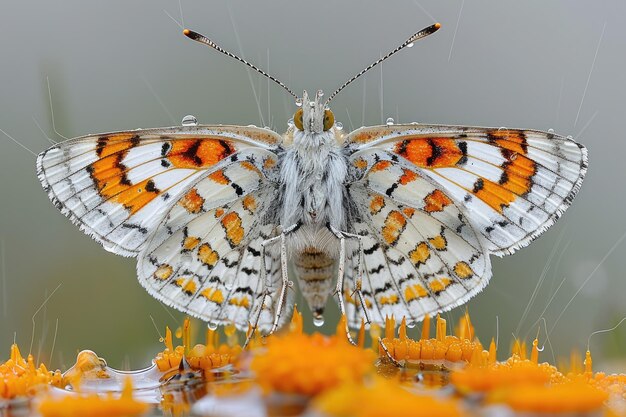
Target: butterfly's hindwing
[(416, 261)]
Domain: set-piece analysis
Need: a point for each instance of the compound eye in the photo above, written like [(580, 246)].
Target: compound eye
[(329, 119), (297, 119)]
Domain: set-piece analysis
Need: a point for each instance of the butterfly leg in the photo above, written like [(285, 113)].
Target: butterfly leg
[(360, 265), (341, 271), (285, 279), (266, 295)]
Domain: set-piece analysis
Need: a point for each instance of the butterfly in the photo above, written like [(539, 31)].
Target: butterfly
[(398, 219)]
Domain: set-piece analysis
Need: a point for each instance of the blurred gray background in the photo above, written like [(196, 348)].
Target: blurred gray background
[(125, 64)]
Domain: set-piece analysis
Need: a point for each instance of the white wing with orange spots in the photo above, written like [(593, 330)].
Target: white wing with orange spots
[(209, 266), (118, 186), (510, 184), (432, 202), (420, 258)]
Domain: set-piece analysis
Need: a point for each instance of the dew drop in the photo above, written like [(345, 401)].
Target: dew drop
[(290, 122), (414, 123), (252, 126), (299, 102), (551, 131), (570, 137), (502, 128), (318, 321), (367, 325), (389, 121), (338, 125), (212, 325), (410, 45), (161, 339), (190, 120), (411, 324)]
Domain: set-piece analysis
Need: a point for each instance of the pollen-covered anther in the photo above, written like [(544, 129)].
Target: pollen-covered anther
[(440, 350), (200, 356), (20, 377)]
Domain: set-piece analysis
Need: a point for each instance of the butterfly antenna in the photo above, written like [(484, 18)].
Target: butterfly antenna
[(206, 41), (408, 43)]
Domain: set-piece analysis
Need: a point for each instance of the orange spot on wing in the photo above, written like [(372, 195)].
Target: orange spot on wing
[(249, 203), (408, 176), (518, 171), (163, 272), (207, 255), (213, 294), (250, 166), (382, 165), (269, 163), (394, 226), (436, 201), (240, 302), (190, 242), (192, 201), (219, 212), (496, 196), (414, 291), (188, 286), (199, 153), (231, 223), (438, 242), (364, 137), (439, 285), (463, 270), (110, 145), (219, 177), (408, 211), (109, 174), (360, 163), (513, 140), (376, 204), (430, 152), (390, 299), (135, 197), (420, 254)]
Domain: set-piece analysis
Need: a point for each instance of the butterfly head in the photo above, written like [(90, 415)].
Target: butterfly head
[(313, 116)]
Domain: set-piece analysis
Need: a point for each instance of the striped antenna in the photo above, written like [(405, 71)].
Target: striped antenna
[(206, 41), (408, 43)]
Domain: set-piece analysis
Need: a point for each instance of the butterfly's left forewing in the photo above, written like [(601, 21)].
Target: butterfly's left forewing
[(116, 186)]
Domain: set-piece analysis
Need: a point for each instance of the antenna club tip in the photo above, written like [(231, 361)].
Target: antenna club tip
[(186, 32), (437, 25)]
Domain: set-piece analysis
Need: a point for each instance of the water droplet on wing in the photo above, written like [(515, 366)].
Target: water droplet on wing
[(389, 121), (212, 325), (190, 120)]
